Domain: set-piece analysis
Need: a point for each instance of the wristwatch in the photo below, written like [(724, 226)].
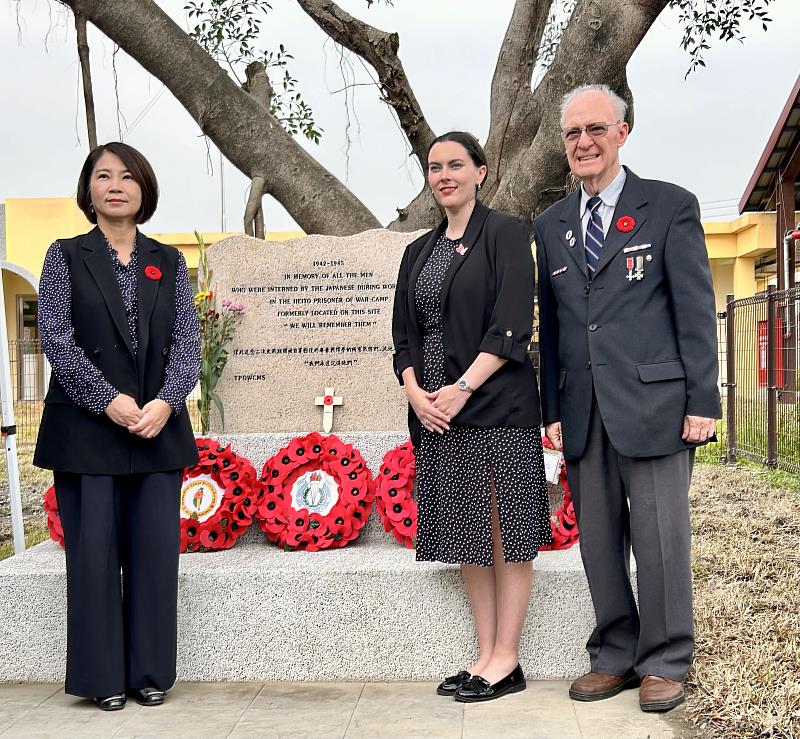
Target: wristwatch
[(462, 384)]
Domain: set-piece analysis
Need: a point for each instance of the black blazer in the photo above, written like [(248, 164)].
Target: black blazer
[(646, 347), (72, 438), (487, 306)]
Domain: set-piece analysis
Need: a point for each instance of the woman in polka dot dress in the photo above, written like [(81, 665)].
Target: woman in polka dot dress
[(118, 324), (463, 314)]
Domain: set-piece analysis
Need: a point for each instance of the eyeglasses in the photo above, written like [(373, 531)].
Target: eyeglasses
[(593, 130)]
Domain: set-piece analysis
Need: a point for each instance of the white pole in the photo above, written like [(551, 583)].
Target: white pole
[(10, 430)]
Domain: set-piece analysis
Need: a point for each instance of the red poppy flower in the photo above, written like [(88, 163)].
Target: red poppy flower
[(407, 526), (626, 223), (340, 527), (152, 272), (212, 537)]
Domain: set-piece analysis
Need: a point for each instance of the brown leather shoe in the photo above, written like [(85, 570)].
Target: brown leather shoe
[(595, 686), (660, 694)]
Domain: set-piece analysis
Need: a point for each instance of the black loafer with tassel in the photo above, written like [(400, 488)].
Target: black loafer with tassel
[(477, 689), (451, 684)]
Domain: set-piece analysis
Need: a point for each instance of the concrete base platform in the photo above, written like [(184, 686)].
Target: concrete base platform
[(365, 612)]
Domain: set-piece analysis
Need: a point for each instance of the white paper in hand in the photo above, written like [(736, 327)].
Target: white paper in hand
[(552, 465)]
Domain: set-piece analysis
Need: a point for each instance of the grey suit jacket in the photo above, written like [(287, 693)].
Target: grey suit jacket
[(641, 332)]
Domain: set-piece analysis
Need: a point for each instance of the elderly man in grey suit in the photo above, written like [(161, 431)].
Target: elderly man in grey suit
[(629, 385)]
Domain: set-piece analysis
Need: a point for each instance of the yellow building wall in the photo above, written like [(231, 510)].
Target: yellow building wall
[(32, 224)]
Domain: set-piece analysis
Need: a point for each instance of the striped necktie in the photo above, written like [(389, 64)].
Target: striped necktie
[(595, 238)]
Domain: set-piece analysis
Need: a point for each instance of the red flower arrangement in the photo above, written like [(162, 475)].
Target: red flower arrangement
[(396, 508), (315, 493), (563, 523), (153, 272), (53, 519), (218, 498), (626, 223)]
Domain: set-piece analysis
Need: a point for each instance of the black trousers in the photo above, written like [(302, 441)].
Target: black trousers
[(122, 540), (644, 502)]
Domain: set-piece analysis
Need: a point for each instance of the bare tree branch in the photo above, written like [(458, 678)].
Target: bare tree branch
[(259, 87), (86, 76), (236, 122), (379, 49), (512, 79), (254, 209), (258, 84)]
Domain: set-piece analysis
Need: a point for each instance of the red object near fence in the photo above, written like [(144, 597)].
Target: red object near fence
[(763, 380)]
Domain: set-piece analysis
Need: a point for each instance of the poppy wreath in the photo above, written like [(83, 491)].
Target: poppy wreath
[(53, 519), (563, 523), (315, 493), (218, 498), (396, 508), (217, 502)]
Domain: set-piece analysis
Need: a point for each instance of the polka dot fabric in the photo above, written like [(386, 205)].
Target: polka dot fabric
[(455, 470), (81, 380)]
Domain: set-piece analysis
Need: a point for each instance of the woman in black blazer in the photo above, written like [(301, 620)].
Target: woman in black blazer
[(119, 327), (463, 313)]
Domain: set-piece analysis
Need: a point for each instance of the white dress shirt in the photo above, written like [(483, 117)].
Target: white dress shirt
[(609, 196)]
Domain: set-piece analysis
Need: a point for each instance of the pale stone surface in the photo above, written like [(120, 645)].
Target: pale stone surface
[(256, 612), (327, 299), (365, 612), (348, 711)]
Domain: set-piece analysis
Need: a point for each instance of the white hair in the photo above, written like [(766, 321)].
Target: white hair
[(620, 106)]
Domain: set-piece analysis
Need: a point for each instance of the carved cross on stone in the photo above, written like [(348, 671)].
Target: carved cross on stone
[(328, 402)]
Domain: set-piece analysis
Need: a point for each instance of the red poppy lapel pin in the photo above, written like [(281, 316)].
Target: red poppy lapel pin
[(625, 224), (154, 273)]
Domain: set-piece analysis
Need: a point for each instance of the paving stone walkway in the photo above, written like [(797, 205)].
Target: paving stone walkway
[(334, 711)]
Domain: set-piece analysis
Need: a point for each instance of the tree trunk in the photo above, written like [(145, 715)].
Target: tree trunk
[(528, 168)]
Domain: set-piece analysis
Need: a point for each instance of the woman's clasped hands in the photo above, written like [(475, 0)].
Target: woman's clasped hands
[(146, 421), (436, 410)]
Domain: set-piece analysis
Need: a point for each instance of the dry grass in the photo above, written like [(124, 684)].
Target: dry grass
[(33, 483), (746, 562)]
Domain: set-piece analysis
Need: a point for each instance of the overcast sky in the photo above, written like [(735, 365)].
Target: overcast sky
[(705, 133)]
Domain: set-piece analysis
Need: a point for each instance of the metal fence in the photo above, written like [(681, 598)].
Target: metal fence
[(761, 379), (29, 379)]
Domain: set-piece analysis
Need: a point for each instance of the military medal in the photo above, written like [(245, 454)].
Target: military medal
[(635, 267)]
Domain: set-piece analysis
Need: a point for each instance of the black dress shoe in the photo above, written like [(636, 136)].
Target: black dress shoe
[(453, 683), (149, 696), (114, 702), (477, 689)]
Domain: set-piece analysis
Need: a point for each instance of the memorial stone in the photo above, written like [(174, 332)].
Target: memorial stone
[(318, 315)]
